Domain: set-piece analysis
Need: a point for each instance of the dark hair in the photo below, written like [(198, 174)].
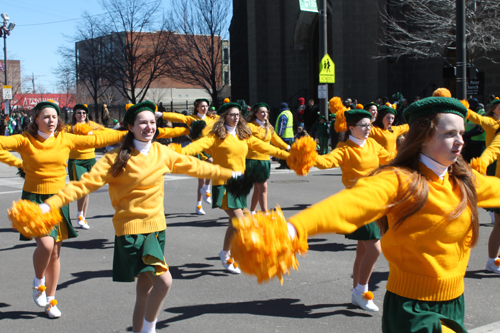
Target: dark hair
[(412, 194), (349, 123), (379, 121), (491, 108), (33, 126)]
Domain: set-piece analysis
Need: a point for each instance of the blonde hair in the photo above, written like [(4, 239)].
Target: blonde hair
[(252, 116)]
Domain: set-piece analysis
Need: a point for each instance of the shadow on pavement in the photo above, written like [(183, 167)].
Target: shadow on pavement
[(296, 207), (21, 314), (220, 222), (376, 278), (20, 246), (194, 271), (332, 247), (283, 307), (480, 274), (10, 230), (84, 276), (91, 244)]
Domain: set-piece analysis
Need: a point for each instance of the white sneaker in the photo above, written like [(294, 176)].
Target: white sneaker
[(492, 266), (199, 210), (363, 302), (39, 295), (229, 264), (51, 309), (83, 223), (207, 196)]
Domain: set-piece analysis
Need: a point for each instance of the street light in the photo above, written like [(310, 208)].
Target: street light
[(5, 31)]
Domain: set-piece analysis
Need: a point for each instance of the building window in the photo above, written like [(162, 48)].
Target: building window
[(226, 77), (225, 56)]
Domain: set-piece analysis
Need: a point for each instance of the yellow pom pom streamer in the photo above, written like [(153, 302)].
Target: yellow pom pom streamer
[(82, 129), (28, 219), (441, 92), (478, 164), (337, 108), (262, 246), (175, 147), (302, 156), (368, 295)]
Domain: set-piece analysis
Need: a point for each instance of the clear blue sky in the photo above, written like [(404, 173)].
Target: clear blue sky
[(39, 33)]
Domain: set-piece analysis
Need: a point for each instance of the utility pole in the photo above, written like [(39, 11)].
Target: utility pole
[(461, 91), (323, 102)]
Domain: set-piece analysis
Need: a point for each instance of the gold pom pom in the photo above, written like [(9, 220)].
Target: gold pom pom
[(51, 101), (262, 246), (497, 262), (359, 106), (28, 219), (302, 155), (478, 164), (441, 92), (226, 100), (53, 302), (368, 295), (41, 288), (394, 106), (175, 147), (87, 105), (82, 129), (127, 106)]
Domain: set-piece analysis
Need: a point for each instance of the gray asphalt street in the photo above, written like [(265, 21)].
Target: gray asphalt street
[(204, 298)]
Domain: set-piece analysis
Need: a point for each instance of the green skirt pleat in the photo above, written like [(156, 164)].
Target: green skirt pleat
[(261, 169), (76, 168), (233, 202), (367, 232)]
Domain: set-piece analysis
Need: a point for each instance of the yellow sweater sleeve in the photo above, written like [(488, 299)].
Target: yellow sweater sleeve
[(490, 154), (332, 160), (401, 129), (177, 118), (191, 166), (384, 156), (166, 132), (349, 209), (199, 145), (276, 141), (95, 141), (480, 120), (487, 190), (265, 148), (12, 142), (9, 159)]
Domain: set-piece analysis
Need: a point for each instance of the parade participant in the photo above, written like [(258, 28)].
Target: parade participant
[(229, 141), (135, 175), (258, 121), (383, 132), (284, 129), (201, 106), (427, 200), (322, 128), (373, 109), (81, 161), (44, 149), (357, 157)]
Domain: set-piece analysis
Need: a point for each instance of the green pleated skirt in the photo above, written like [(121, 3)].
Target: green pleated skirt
[(403, 314), (224, 200), (367, 232), (76, 168), (261, 169), (63, 230), (136, 254)]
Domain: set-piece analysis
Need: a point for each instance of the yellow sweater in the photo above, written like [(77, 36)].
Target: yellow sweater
[(9, 159), (44, 161), (167, 132), (85, 154), (137, 193), (271, 137), (355, 161), (427, 256), (386, 138), (231, 152), (180, 118), (490, 126)]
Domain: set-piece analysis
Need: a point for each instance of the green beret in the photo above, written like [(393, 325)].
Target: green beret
[(384, 109), (199, 100), (494, 102), (135, 109), (81, 107), (356, 115), (370, 104), (227, 106), (46, 104), (260, 105), (434, 105)]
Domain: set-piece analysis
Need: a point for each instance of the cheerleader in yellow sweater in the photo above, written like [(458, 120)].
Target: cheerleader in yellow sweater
[(357, 157), (258, 121), (229, 142), (427, 200), (383, 132), (81, 161), (135, 174), (201, 106), (44, 149)]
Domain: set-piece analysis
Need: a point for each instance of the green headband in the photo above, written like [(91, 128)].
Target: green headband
[(356, 115), (434, 105), (46, 104), (199, 100), (81, 107), (384, 109), (135, 109), (227, 106), (370, 104), (494, 102)]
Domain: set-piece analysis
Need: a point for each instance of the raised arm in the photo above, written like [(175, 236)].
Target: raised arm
[(9, 159), (177, 118), (332, 160), (401, 129), (487, 190), (191, 166), (476, 118), (167, 132), (198, 146), (278, 142), (12, 142), (96, 141), (490, 154), (89, 182), (265, 148)]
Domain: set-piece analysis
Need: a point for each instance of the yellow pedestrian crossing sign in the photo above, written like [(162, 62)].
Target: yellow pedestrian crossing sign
[(327, 70)]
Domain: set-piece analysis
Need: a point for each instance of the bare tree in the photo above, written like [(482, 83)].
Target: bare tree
[(204, 26), (424, 29), (66, 81), (139, 49)]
